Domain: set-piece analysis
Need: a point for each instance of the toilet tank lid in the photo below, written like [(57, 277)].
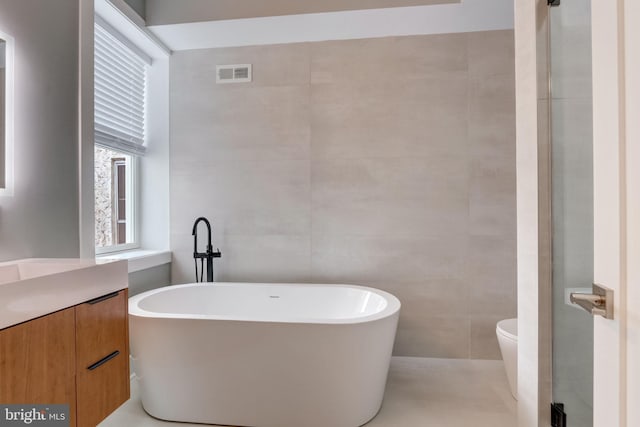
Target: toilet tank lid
[(508, 327)]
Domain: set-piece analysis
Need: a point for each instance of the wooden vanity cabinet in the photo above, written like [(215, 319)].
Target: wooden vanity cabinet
[(78, 356)]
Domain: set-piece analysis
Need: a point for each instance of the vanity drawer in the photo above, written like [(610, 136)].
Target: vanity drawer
[(102, 357), (101, 328), (102, 388)]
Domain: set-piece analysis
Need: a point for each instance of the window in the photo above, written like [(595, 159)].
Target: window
[(115, 197), (120, 123), (119, 202)]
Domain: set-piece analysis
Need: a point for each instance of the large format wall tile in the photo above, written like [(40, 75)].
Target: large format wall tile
[(249, 124), (435, 336), (381, 162), (484, 342), (491, 53), (387, 259), (266, 259), (393, 179), (389, 118), (389, 59), (249, 197), (491, 276)]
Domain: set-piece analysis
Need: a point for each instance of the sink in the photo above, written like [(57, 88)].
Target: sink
[(31, 288), (27, 269)]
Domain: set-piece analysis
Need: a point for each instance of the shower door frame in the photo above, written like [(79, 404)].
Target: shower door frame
[(616, 126)]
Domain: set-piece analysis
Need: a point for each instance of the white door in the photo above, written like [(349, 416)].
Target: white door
[(616, 161)]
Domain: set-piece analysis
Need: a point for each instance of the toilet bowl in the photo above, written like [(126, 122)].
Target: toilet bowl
[(507, 332)]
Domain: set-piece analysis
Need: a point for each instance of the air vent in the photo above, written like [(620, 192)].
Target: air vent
[(239, 73)]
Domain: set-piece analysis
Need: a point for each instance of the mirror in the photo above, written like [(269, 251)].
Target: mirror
[(6, 115), (3, 85)]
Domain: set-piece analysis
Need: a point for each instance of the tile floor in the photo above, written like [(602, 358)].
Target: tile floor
[(420, 392)]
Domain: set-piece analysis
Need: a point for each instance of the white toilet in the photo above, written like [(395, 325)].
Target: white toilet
[(507, 332)]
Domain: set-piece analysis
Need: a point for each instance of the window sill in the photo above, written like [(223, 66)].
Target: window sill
[(140, 259)]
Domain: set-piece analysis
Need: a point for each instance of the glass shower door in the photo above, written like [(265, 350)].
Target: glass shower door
[(572, 206)]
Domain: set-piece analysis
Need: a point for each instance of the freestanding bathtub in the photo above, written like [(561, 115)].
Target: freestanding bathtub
[(263, 355)]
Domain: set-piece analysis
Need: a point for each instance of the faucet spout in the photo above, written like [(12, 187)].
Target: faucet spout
[(194, 233)]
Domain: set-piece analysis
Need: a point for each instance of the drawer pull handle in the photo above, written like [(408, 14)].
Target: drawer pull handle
[(103, 360), (103, 298)]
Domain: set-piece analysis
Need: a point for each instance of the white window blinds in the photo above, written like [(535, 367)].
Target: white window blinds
[(120, 95)]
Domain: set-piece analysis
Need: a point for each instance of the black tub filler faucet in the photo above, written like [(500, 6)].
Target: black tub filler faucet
[(209, 255)]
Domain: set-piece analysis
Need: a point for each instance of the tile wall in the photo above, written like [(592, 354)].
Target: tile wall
[(385, 162)]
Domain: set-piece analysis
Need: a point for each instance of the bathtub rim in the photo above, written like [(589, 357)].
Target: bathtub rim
[(392, 307)]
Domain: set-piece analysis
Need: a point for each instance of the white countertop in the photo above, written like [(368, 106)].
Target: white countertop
[(34, 287)]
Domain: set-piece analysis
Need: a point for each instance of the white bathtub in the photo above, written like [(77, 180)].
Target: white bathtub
[(263, 355)]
